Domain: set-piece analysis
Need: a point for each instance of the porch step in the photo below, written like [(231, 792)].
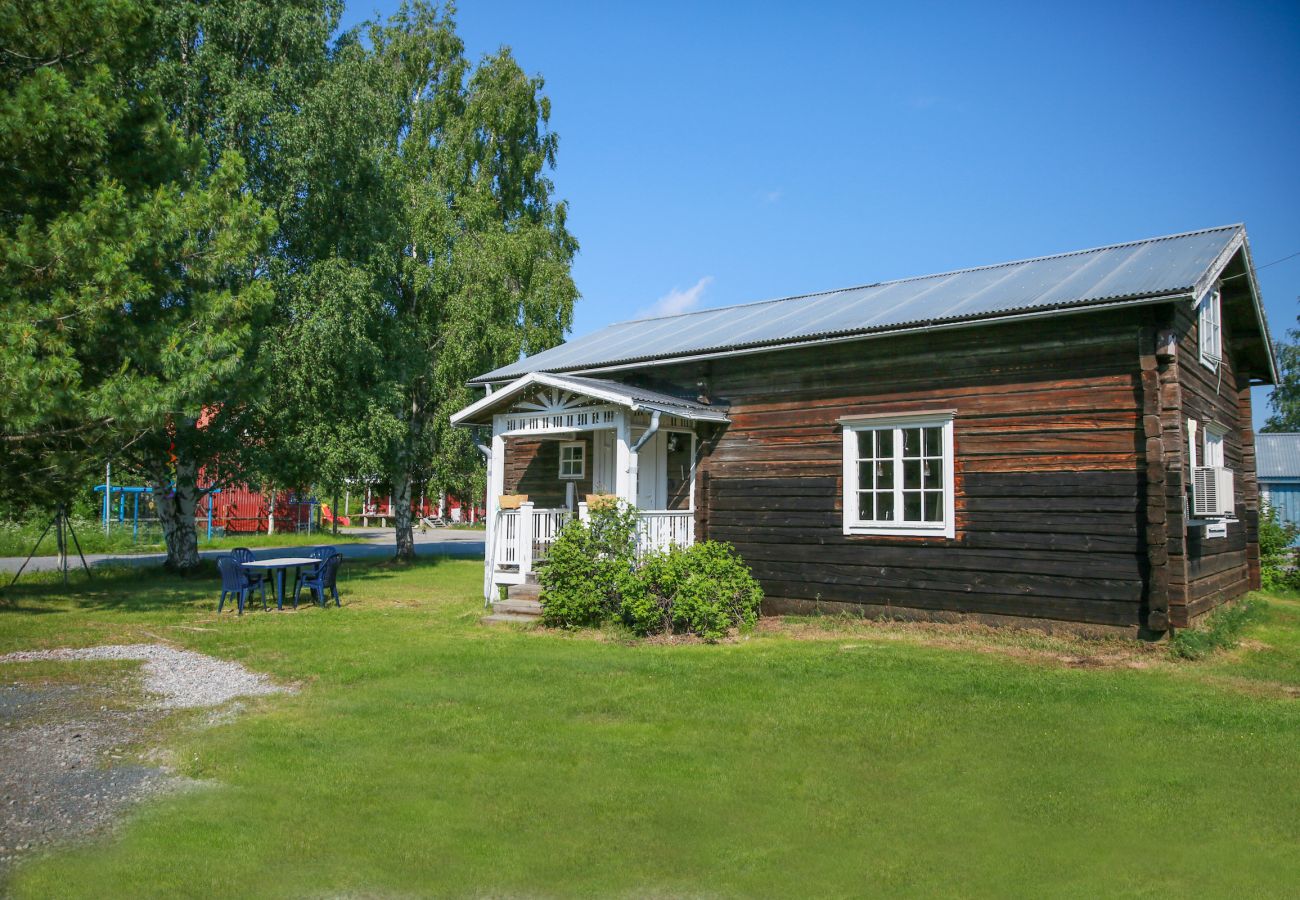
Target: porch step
[(528, 591), (508, 617), (518, 607)]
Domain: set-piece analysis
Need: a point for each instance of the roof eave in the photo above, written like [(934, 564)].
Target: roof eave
[(476, 413)]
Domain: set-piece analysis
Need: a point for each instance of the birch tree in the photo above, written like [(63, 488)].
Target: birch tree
[(433, 213)]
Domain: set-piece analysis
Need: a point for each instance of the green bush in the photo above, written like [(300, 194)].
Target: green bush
[(586, 566), (704, 589), (591, 576), (1276, 556)]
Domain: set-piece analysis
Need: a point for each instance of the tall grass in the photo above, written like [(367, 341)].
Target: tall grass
[(1221, 631)]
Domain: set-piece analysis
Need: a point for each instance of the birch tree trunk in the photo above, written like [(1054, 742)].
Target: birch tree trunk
[(402, 518), (176, 505)]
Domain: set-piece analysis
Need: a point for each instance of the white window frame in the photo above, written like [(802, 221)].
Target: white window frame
[(1210, 327), (1212, 446), (853, 425), (581, 447)]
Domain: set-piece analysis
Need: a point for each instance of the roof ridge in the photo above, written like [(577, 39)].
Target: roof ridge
[(873, 284)]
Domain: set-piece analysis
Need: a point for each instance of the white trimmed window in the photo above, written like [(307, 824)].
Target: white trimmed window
[(898, 475), (573, 459), (1212, 449), (1210, 320)]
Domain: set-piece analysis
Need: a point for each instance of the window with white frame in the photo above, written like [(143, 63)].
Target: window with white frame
[(573, 459), (898, 475), (1212, 448), (1210, 321)]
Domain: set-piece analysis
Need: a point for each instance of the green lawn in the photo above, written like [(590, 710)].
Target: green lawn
[(428, 755)]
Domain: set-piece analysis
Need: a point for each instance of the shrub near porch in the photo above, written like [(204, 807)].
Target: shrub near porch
[(593, 575)]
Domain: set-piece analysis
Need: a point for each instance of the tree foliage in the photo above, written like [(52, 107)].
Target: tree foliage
[(129, 253), (1285, 400), (425, 246), (235, 248)]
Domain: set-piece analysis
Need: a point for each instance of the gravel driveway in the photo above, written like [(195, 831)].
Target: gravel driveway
[(69, 752)]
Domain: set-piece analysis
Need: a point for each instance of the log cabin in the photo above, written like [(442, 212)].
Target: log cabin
[(1064, 440)]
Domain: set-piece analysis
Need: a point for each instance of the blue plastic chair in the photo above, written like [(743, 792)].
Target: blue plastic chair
[(321, 553), (244, 555), (324, 578), (235, 580)]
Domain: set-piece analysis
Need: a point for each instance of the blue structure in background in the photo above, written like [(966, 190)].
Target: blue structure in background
[(1277, 462), (121, 492)]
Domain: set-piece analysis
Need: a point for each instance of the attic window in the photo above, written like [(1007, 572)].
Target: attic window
[(1210, 316)]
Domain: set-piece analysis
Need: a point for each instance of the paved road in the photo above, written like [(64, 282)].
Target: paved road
[(458, 542)]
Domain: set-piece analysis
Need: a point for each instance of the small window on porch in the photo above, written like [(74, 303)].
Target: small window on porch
[(573, 460)]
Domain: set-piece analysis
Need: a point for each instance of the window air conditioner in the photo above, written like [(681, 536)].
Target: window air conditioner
[(1212, 492)]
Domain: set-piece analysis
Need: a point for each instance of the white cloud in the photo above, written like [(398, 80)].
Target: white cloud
[(771, 197), (678, 300)]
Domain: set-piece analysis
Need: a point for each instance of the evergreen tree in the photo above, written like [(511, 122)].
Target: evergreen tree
[(126, 250)]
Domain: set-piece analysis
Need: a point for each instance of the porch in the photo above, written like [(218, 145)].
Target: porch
[(559, 442)]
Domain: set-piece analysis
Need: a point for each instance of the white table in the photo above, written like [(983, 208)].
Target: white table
[(278, 566)]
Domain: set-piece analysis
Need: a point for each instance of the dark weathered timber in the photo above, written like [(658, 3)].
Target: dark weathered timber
[(1051, 509), (1152, 467), (533, 468), (1211, 571)]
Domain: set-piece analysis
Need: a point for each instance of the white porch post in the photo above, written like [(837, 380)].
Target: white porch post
[(496, 474), (625, 459), (525, 538)]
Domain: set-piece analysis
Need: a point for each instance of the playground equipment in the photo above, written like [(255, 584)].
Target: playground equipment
[(121, 492)]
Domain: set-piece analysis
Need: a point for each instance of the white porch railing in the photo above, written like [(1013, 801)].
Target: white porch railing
[(522, 537), (657, 530), (505, 539)]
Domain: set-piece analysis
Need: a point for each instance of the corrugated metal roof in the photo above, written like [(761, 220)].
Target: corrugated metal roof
[(1277, 455), (1132, 271)]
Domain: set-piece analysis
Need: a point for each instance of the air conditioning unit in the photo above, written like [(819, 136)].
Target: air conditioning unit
[(1212, 492)]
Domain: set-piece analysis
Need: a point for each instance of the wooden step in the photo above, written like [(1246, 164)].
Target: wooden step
[(523, 592), (512, 618), (518, 607)]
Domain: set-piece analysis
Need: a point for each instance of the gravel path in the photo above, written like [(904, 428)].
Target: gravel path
[(68, 752), (183, 678)]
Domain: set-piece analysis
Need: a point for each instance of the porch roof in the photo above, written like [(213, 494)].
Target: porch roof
[(633, 398)]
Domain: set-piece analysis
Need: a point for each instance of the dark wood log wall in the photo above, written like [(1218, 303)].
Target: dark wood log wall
[(533, 468), (1051, 487), (1210, 571)]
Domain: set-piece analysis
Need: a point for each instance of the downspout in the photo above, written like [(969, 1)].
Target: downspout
[(635, 462), (649, 432)]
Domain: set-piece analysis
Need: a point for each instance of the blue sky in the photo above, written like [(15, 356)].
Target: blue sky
[(720, 153)]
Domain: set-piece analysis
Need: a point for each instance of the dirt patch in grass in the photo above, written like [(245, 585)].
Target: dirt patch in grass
[(1074, 651)]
